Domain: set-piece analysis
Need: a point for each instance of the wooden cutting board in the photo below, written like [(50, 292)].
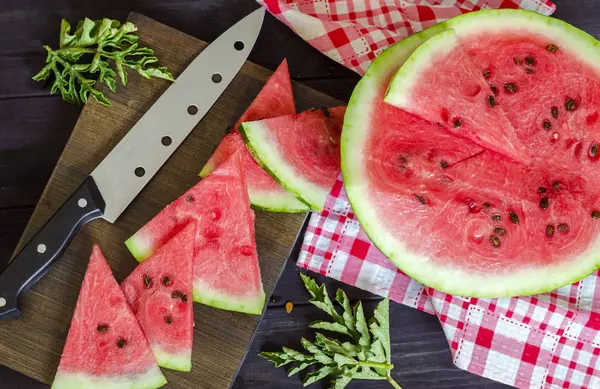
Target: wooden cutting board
[(32, 344)]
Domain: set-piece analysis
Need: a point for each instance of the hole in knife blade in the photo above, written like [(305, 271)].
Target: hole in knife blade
[(192, 109), (41, 248), (216, 78), (166, 140), (239, 45), (82, 202), (2, 302), (140, 171)]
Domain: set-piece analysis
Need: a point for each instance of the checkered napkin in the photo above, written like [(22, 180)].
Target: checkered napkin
[(545, 341)]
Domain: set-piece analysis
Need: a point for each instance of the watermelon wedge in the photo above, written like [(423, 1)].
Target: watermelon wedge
[(459, 98), (157, 291), (275, 99), (226, 270), (301, 151), (105, 347), (452, 215)]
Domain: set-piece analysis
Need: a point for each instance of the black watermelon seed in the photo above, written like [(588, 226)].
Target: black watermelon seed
[(570, 105), (487, 74), (500, 231), (563, 227), (529, 70), (325, 111), (444, 164), (546, 124), (594, 150), (457, 123), (596, 214), (491, 100), (176, 294), (530, 61), (544, 203), (514, 218), (495, 241), (552, 48), (168, 319), (486, 205), (510, 87), (184, 298), (541, 189), (102, 327), (421, 199), (190, 199), (554, 112), (121, 343), (556, 184), (494, 90), (517, 61), (147, 281), (496, 218), (166, 281), (550, 230)]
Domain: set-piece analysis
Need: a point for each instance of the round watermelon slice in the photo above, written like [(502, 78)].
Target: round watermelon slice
[(226, 269), (274, 99), (159, 292), (105, 347), (452, 215), (301, 151)]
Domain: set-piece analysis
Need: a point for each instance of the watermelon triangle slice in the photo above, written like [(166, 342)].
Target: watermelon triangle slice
[(157, 291), (275, 99), (105, 347), (439, 83), (226, 270), (302, 152)]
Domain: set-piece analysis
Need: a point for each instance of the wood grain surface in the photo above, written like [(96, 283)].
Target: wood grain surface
[(221, 338)]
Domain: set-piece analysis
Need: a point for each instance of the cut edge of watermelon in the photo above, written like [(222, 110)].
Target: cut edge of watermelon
[(449, 280), (139, 249), (204, 295), (153, 378), (269, 201), (256, 136), (175, 361)]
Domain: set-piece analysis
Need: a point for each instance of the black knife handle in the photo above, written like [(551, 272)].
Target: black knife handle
[(36, 258)]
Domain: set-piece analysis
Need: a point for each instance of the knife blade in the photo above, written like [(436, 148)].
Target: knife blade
[(130, 165)]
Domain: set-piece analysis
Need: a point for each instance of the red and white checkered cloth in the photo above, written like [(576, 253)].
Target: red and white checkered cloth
[(546, 341)]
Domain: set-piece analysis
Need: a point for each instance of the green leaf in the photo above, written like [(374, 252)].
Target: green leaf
[(347, 315), (380, 327), (319, 374), (329, 326), (361, 326), (76, 76), (366, 373), (320, 298), (342, 360), (341, 382), (318, 354), (301, 367), (278, 358), (330, 345)]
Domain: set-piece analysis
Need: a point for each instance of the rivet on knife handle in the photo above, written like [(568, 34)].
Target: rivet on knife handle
[(47, 245)]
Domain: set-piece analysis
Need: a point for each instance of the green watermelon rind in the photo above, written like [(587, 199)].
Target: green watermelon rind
[(450, 280), (152, 379), (270, 159), (252, 305), (138, 248), (272, 202), (181, 361)]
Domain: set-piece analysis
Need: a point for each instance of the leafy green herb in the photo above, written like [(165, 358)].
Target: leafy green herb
[(365, 355), (82, 59)]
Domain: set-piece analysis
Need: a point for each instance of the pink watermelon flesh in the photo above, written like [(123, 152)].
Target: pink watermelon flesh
[(457, 97), (458, 218), (105, 347), (301, 151), (557, 132), (275, 99), (158, 291), (226, 270)]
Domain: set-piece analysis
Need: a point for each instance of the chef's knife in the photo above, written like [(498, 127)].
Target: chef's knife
[(123, 173)]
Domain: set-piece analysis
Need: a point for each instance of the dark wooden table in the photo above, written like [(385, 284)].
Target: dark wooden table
[(34, 127)]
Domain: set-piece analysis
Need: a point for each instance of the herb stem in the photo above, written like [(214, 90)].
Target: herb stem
[(74, 50), (377, 365), (393, 382)]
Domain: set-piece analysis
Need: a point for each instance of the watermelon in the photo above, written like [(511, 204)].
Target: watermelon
[(105, 347), (226, 269), (301, 151), (457, 216), (468, 107), (157, 291), (275, 99)]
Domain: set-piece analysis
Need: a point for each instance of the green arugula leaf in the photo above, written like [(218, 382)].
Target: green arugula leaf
[(82, 60), (366, 356)]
